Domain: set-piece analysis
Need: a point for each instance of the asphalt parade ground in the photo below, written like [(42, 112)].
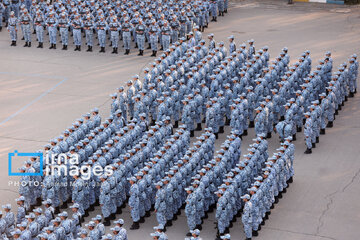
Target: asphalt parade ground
[(43, 91)]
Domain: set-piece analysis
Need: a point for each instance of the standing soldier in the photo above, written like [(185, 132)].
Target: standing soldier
[(101, 27), (51, 23), (324, 112), (114, 27), (89, 28), (165, 32), (126, 31), (25, 20), (175, 26), (78, 193), (77, 25), (12, 29), (140, 36), (134, 203), (247, 216), (63, 24), (39, 22), (308, 131), (153, 31), (105, 200)]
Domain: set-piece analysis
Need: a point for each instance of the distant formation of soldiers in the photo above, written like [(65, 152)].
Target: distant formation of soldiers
[(164, 22), (191, 85)]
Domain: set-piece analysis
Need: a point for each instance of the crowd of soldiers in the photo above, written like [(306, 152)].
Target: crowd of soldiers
[(194, 85), (44, 224), (163, 22), (314, 100)]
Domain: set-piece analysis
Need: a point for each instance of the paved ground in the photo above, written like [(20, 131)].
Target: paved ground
[(43, 91)]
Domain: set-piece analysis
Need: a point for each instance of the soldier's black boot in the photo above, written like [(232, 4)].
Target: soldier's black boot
[(79, 48), (147, 214), (54, 47), (336, 112), (282, 118), (251, 125), (116, 50), (221, 130), (39, 46), (136, 46), (268, 135), (351, 94), (198, 127), (107, 222), (127, 52), (313, 145), (339, 107), (64, 206), (29, 44), (76, 48), (142, 220), (26, 44), (308, 151), (112, 216), (346, 98), (290, 181), (57, 210), (155, 53), (245, 132), (191, 133), (12, 43), (90, 49), (294, 137), (216, 135), (91, 208), (86, 213), (317, 139), (176, 124), (149, 47), (140, 54), (299, 129), (113, 51), (227, 122), (218, 235), (215, 19)]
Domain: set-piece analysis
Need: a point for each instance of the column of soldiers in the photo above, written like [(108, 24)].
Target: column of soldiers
[(201, 198), (146, 21), (136, 166), (266, 188), (64, 143), (172, 189), (311, 99), (234, 183), (142, 198)]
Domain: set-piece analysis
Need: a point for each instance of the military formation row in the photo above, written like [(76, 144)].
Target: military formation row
[(43, 225), (146, 21), (316, 104)]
